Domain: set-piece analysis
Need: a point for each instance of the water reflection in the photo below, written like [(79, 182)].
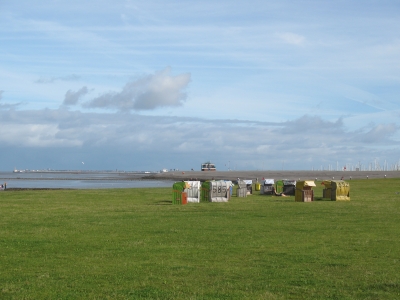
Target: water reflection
[(79, 180)]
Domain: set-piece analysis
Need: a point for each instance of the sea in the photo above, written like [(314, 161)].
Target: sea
[(79, 180)]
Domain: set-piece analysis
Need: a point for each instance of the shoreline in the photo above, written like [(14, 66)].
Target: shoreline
[(222, 175), (277, 175), (175, 176)]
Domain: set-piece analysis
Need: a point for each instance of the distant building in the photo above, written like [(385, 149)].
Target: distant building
[(208, 166)]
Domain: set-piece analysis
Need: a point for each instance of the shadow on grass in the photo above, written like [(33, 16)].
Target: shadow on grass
[(322, 199), (164, 202)]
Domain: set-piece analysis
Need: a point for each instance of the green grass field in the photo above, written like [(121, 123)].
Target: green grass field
[(134, 244)]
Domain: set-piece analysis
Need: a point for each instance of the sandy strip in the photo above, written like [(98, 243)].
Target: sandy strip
[(277, 175)]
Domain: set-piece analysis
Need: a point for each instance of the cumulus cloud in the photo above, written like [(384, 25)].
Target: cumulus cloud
[(157, 90), (72, 98)]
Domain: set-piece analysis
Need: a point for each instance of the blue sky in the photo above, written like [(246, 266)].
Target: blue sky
[(147, 85)]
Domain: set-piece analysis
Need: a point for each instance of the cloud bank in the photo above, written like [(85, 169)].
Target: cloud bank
[(136, 142)]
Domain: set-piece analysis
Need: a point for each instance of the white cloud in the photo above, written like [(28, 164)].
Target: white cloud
[(380, 133), (71, 77), (303, 143), (35, 135), (291, 38), (158, 90)]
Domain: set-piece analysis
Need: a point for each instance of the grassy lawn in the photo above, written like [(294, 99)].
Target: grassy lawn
[(134, 244)]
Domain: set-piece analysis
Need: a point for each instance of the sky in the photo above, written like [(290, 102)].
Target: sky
[(248, 85)]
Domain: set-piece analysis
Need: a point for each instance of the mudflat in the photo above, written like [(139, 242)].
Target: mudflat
[(277, 175)]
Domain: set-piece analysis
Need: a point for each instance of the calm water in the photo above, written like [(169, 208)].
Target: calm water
[(79, 180)]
